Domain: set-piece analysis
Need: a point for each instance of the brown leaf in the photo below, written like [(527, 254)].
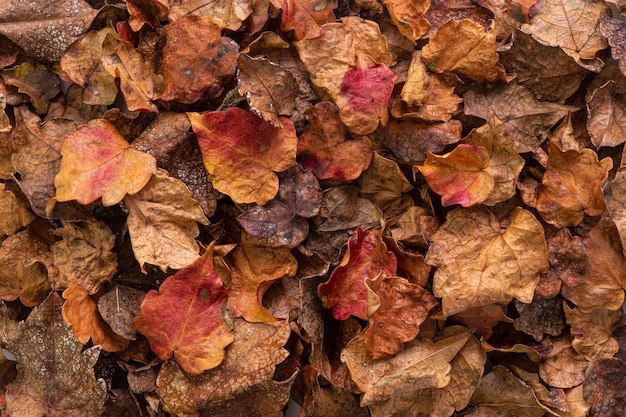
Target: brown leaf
[(540, 317), (525, 117), (36, 81), (483, 319), (605, 387), (615, 196), (613, 30), (464, 48), (497, 264), (13, 212), (573, 27), (439, 105), (606, 120), (45, 31), (119, 306), (592, 331), (80, 311), (270, 89), (83, 65), (396, 309), (383, 182), (146, 12), (414, 91), (261, 344), (227, 14), (162, 223), (414, 228), (408, 17), (56, 376), (565, 369), (327, 399), (83, 255), (197, 61), (305, 17)]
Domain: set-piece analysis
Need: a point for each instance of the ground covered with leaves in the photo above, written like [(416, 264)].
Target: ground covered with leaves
[(398, 208)]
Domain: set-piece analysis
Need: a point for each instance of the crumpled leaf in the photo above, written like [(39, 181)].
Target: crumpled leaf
[(421, 364), (253, 268), (305, 17), (270, 89), (36, 81), (146, 12), (607, 116), (613, 30), (592, 331), (80, 311), (460, 176), (464, 48), (235, 379), (56, 376), (97, 162), (325, 150), (439, 105), (525, 117), (414, 91), (241, 152), (408, 16), (83, 65), (13, 213), (197, 61), (573, 27), (605, 387), (186, 317), (480, 262), (363, 99), (592, 267), (383, 182), (396, 309), (45, 31), (163, 223), (572, 186), (411, 140), (27, 270), (83, 255), (345, 292), (564, 368), (227, 14), (340, 47)]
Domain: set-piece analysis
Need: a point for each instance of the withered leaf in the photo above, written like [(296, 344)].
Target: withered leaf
[(328, 400), (45, 31), (383, 182), (96, 161), (163, 223), (540, 317), (227, 14), (36, 81), (414, 90), (479, 262), (197, 60), (564, 368), (605, 387), (186, 317), (146, 12), (607, 116), (592, 331), (615, 196), (80, 311), (13, 212), (408, 16), (614, 30), (83, 255), (439, 105), (56, 376), (118, 307), (305, 17), (483, 319), (241, 152)]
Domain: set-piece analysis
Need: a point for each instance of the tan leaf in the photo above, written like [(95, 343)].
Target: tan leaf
[(606, 120), (615, 195), (592, 331), (479, 262), (408, 16), (438, 106), (13, 212), (383, 182), (566, 369), (411, 140), (228, 14), (162, 223), (415, 89)]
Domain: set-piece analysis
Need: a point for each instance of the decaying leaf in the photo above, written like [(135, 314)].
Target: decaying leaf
[(607, 116), (592, 331), (228, 14), (186, 317), (605, 387), (408, 16), (305, 17), (613, 29), (13, 213)]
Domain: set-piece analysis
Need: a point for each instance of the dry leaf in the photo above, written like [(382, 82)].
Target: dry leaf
[(607, 116), (305, 17), (604, 387), (13, 213), (408, 16), (592, 331)]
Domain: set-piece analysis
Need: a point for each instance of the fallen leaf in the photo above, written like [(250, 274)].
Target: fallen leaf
[(197, 60), (45, 31), (305, 17), (83, 255), (421, 364), (414, 91), (83, 65), (606, 111), (118, 307), (572, 186), (13, 213), (605, 388), (408, 17), (56, 375), (235, 379), (227, 14), (613, 30), (480, 262), (253, 268), (146, 12), (345, 292), (270, 90), (441, 11), (326, 149), (97, 162), (592, 331), (615, 197), (525, 117), (383, 182), (241, 152), (565, 369), (573, 27), (483, 319), (396, 309), (464, 48), (170, 318), (80, 311), (36, 81), (439, 105), (540, 317)]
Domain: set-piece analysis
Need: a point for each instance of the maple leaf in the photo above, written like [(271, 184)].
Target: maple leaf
[(162, 223), (497, 265), (345, 291), (170, 318), (439, 104), (241, 152), (97, 162), (56, 376)]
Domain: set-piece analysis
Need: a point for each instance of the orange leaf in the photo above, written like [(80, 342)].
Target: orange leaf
[(97, 162), (305, 16), (186, 317)]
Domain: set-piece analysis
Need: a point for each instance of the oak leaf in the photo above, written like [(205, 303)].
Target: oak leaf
[(80, 311), (479, 262), (197, 60), (408, 16), (186, 317), (56, 375), (235, 380), (606, 120), (83, 255), (241, 152), (97, 162), (162, 223), (305, 17), (325, 150), (464, 48), (345, 292)]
